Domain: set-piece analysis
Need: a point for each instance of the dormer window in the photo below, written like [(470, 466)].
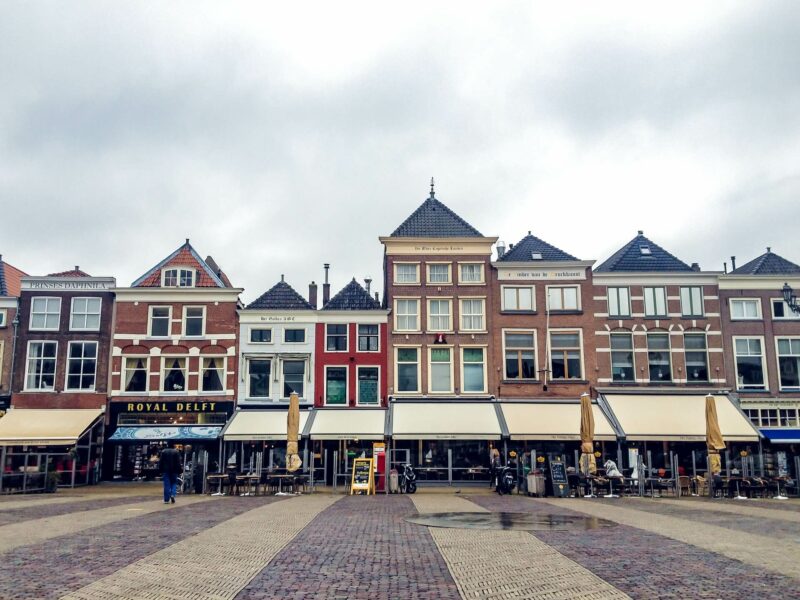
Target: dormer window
[(645, 250), (536, 255), (177, 278)]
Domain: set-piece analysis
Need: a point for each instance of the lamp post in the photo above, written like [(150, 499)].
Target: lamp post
[(790, 298)]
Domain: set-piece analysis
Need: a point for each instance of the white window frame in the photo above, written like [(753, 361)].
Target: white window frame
[(788, 313), (305, 335), (611, 352), (271, 379), (2, 350), (452, 370), (763, 361), (185, 310), (202, 370), (85, 315), (178, 275), (162, 376), (584, 375), (535, 355), (462, 313), (66, 371), (561, 288), (615, 290), (3, 317), (47, 312), (28, 365), (666, 334), (397, 370), (346, 385), (358, 337), (346, 338), (691, 314), (430, 327), (481, 269), (430, 264), (358, 389), (697, 333), (397, 281), (150, 321), (503, 306), (778, 355), (397, 314), (250, 335), (306, 375), (652, 289), (759, 315), (124, 372), (485, 369)]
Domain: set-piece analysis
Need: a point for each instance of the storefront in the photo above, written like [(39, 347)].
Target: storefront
[(140, 430)]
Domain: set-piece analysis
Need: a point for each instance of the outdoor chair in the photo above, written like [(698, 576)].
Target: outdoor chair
[(685, 485), (756, 487)]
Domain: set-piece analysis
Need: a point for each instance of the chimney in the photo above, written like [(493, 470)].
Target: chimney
[(326, 287), (725, 268), (368, 281), (696, 267), (77, 268), (312, 294), (733, 263), (378, 300), (501, 249)]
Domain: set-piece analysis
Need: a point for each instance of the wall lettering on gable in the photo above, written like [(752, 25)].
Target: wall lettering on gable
[(278, 319), (540, 275)]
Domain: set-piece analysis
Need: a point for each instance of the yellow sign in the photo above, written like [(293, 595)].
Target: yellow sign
[(363, 480)]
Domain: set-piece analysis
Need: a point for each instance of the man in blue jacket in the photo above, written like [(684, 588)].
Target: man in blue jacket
[(170, 466)]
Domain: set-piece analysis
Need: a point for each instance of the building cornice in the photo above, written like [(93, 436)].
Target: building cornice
[(177, 294)]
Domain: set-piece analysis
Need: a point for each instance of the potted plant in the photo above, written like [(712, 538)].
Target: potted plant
[(51, 482)]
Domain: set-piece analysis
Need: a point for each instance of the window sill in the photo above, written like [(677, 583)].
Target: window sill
[(566, 312), (753, 320), (655, 317), (520, 381), (518, 312), (567, 381), (620, 317), (753, 391)]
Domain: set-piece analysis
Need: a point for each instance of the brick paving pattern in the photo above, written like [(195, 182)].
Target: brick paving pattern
[(775, 510), (41, 511), (360, 548)]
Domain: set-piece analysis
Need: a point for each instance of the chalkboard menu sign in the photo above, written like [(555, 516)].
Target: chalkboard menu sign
[(558, 475), (363, 477)]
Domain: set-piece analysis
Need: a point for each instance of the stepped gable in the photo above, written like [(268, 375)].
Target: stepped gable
[(184, 256), (528, 246), (642, 255), (352, 297), (10, 279), (434, 220), (281, 296), (768, 263)]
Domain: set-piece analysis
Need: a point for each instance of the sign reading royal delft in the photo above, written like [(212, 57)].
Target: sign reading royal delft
[(173, 407)]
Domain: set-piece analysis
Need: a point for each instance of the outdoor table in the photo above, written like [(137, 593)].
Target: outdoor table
[(218, 478), (247, 480), (281, 479)]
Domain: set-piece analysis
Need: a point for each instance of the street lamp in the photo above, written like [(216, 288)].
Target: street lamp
[(790, 298)]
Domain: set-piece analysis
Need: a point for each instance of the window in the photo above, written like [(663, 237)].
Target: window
[(407, 315), (173, 374), (85, 314), (258, 377), (294, 372), (658, 357), (335, 385), (696, 351), (41, 366), (781, 310), (472, 315), (194, 321), (655, 302), (45, 313), (368, 338), (438, 273), (336, 338), (178, 278), (294, 336), (563, 298), (473, 365), (406, 273), (619, 302), (789, 362), (769, 417), (81, 365), (788, 417), (160, 320), (520, 354), (752, 414), (212, 373), (439, 315), (470, 273), (3, 317), (692, 301), (368, 378), (441, 370), (518, 298), (565, 355), (407, 370), (749, 363), (134, 373), (622, 357), (260, 336), (749, 308)]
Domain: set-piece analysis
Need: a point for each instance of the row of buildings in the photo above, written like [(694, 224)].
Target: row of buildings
[(468, 344)]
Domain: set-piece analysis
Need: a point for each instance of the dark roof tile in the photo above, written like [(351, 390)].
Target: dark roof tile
[(352, 297), (434, 220), (281, 296), (642, 255), (768, 263), (76, 272), (530, 244)]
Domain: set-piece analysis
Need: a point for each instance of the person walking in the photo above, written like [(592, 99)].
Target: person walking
[(170, 467)]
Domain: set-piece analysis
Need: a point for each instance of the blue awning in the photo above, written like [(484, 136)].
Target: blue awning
[(782, 436), (149, 434)]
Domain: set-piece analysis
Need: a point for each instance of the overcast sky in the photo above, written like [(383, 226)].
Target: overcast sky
[(279, 139)]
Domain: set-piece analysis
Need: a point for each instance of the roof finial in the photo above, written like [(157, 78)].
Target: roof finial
[(769, 249), (187, 241), (433, 193), (281, 276)]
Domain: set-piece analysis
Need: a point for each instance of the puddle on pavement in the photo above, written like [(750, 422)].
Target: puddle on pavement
[(510, 521)]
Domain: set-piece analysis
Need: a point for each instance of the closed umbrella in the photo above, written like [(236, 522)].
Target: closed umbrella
[(714, 441), (587, 463), (293, 460)]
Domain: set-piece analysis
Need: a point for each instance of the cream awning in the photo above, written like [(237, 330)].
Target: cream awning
[(46, 427), (552, 421), (259, 425), (348, 423), (445, 421), (676, 417)]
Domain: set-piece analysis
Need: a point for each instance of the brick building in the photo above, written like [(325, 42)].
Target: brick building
[(9, 299)]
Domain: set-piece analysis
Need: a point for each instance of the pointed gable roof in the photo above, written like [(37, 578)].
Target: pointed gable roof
[(434, 220), (76, 272), (768, 263), (184, 256), (281, 296), (530, 244), (352, 297), (10, 279), (642, 255)]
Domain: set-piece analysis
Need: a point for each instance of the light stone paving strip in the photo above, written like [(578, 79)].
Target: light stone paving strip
[(29, 501), (736, 509), (508, 564), (217, 563), (771, 554), (34, 531)]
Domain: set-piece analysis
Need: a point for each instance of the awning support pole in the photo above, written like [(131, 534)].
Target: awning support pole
[(25, 474), (450, 466), (2, 469), (761, 457), (74, 464)]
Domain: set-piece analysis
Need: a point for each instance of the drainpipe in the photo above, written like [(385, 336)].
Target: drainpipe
[(15, 324)]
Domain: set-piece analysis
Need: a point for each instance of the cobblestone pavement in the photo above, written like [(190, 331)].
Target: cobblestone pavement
[(123, 543)]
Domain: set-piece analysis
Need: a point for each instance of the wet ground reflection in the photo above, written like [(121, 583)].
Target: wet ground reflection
[(510, 520)]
